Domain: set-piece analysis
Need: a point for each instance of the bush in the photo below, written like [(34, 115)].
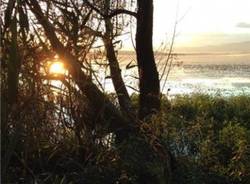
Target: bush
[(209, 137)]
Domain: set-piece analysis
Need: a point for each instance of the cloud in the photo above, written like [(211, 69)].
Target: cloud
[(243, 25)]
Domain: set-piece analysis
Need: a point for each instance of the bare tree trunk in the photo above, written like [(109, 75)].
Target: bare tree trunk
[(120, 88), (9, 142), (149, 99)]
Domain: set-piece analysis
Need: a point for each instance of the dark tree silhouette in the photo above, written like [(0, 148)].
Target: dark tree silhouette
[(149, 80), (62, 37)]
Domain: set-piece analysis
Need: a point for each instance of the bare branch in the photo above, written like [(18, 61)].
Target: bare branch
[(113, 13), (94, 8), (121, 11), (90, 31)]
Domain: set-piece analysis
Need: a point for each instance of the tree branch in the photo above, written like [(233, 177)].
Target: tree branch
[(121, 11), (94, 8), (113, 13), (90, 31)]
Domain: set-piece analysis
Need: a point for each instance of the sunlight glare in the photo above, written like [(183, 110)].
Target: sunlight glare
[(57, 68)]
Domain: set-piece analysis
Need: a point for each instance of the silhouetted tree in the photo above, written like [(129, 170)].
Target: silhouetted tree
[(149, 80), (69, 30)]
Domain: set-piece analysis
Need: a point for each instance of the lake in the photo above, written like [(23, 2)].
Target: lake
[(225, 74)]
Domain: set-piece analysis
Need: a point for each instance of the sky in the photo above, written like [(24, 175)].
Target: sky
[(202, 22)]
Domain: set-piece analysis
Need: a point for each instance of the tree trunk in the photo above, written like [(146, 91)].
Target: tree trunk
[(149, 99), (9, 142), (115, 71)]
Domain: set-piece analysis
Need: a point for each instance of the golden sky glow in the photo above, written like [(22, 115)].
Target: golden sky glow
[(203, 22)]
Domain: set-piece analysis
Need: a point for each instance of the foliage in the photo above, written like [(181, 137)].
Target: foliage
[(207, 146), (209, 136)]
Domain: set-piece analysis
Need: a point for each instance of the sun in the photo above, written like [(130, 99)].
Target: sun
[(57, 68)]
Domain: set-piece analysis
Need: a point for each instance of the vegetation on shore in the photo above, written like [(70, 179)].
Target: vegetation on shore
[(208, 137)]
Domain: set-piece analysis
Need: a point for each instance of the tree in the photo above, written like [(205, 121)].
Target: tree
[(66, 30), (149, 100), (84, 83), (149, 80)]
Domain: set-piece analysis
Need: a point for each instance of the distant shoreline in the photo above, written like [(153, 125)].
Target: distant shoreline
[(189, 53)]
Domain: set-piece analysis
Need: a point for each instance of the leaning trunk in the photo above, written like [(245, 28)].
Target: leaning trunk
[(115, 71)]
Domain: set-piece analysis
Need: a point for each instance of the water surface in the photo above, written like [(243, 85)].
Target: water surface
[(225, 74)]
